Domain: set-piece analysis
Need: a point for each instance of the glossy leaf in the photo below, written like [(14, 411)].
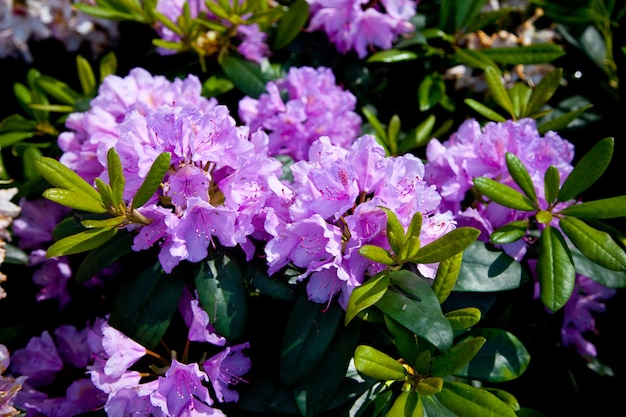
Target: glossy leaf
[(222, 293), (520, 94), (74, 199), (456, 358), (404, 340), (562, 121), (526, 55), (366, 295), (60, 176), (395, 231), (588, 170), (58, 89), (145, 304), (520, 175), (607, 277), (392, 55), (103, 256), (486, 269), (506, 398), (448, 245), (503, 194), (484, 110), (594, 244), (407, 404), (153, 180), (116, 177), (81, 242), (108, 222), (246, 75), (376, 254), (434, 408), (106, 194), (309, 332), (378, 365), (606, 208), (86, 76), (497, 89), (544, 90), (468, 401), (447, 274), (291, 23), (422, 316), (551, 183), (555, 269), (463, 318), (430, 92), (9, 138), (510, 232), (501, 358), (420, 138)]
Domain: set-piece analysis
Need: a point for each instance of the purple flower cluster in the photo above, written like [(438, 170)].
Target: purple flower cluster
[(475, 151), (359, 25), (301, 107), (333, 208), (250, 39)]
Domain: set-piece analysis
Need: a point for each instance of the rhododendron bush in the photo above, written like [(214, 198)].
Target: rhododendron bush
[(311, 207)]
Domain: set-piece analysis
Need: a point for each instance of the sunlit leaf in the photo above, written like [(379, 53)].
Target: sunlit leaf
[(376, 364), (74, 199), (446, 246), (555, 269), (60, 176), (497, 89), (510, 232), (588, 170), (447, 274), (456, 358), (484, 110), (153, 180), (520, 175), (503, 194), (392, 55), (81, 242), (463, 318), (606, 208), (366, 295), (551, 183), (407, 404), (468, 401)]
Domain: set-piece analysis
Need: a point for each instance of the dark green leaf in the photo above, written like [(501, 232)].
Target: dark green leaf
[(594, 244), (484, 110), (448, 245), (526, 55), (555, 269), (430, 91), (544, 90), (309, 332), (104, 256), (503, 194), (9, 138), (520, 94), (551, 183), (501, 358), (17, 122), (407, 404), (14, 255), (291, 23), (506, 398), (270, 286), (222, 293), (493, 77), (420, 138), (447, 274), (404, 340), (145, 304), (520, 175), (468, 401), (474, 58), (587, 171), (510, 232), (606, 208), (466, 11), (366, 295), (562, 121), (153, 180), (456, 358), (246, 75), (434, 408), (80, 242), (378, 365), (607, 277), (463, 318), (488, 270)]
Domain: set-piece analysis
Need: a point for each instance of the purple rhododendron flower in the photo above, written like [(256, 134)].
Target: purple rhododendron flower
[(313, 106), (197, 319), (362, 26), (39, 360), (475, 151), (333, 209), (226, 368)]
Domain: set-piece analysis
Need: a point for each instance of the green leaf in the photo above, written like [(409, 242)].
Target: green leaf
[(270, 286), (434, 408), (309, 332), (501, 358), (291, 23), (222, 293), (510, 232), (466, 11), (503, 194), (395, 231), (17, 122), (555, 269), (366, 295), (153, 180), (497, 89), (463, 318), (108, 222), (108, 65), (544, 90), (456, 358), (506, 398), (520, 175), (420, 138), (104, 256), (594, 244), (116, 178), (525, 55), (60, 176), (605, 276), (215, 85), (81, 242), (484, 110), (378, 365), (74, 199), (86, 76), (448, 245), (551, 183), (145, 303), (606, 208), (404, 340), (474, 58), (562, 121), (392, 55), (485, 269), (14, 255), (9, 138), (519, 93), (587, 171), (447, 274), (468, 401), (407, 404), (381, 133), (246, 75), (430, 91), (423, 315), (376, 254), (58, 89)]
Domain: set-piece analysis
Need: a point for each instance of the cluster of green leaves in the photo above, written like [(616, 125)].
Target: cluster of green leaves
[(578, 221), (106, 202), (40, 98), (437, 350)]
